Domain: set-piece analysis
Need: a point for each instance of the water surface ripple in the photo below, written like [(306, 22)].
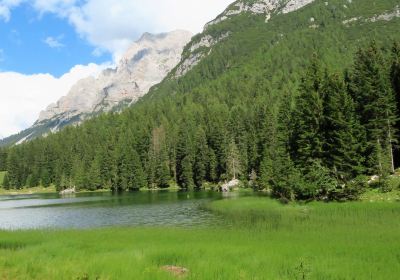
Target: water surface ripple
[(105, 209)]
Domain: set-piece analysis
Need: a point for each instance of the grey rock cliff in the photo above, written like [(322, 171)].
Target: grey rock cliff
[(146, 63)]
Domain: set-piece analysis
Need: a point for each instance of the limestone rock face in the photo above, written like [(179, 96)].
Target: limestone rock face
[(266, 7), (198, 50), (146, 63)]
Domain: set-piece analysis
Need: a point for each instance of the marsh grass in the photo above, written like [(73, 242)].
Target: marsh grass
[(259, 239)]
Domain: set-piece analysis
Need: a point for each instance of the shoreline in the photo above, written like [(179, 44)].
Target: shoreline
[(52, 190)]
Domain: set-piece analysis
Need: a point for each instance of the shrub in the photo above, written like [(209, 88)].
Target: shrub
[(350, 190)]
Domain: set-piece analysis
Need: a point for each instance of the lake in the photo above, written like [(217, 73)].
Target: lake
[(91, 210)]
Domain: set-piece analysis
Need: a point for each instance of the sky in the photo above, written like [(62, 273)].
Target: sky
[(48, 45)]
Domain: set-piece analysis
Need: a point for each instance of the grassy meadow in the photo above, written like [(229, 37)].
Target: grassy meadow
[(259, 239)]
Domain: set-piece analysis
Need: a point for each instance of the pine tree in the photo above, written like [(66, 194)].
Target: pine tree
[(3, 159), (184, 158), (108, 164), (233, 165), (162, 172), (212, 167), (64, 183), (94, 175), (266, 170), (186, 174), (395, 72), (395, 80), (158, 162), (237, 129), (309, 116), (375, 104), (45, 178), (6, 182), (269, 141), (284, 177), (201, 158), (14, 170), (79, 176), (342, 130), (138, 180), (151, 169)]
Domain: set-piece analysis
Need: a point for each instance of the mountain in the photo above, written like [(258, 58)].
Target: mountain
[(230, 101), (144, 64)]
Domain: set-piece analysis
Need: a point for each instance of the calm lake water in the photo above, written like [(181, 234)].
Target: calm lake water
[(106, 209)]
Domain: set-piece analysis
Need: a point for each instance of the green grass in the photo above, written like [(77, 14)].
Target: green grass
[(261, 239), (34, 190), (375, 195)]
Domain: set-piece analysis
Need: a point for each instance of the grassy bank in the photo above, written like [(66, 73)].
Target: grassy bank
[(34, 190), (260, 240), (52, 189)]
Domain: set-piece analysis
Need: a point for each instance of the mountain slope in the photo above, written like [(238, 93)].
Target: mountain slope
[(144, 64), (220, 102)]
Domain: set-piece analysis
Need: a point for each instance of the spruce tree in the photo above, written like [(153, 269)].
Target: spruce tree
[(157, 161), (269, 142), (184, 159), (395, 80), (284, 178), (14, 170), (308, 135), (233, 165), (139, 177), (45, 178), (163, 175), (375, 104), (201, 158), (94, 175), (6, 182), (395, 72), (186, 174), (79, 174), (212, 172), (342, 130)]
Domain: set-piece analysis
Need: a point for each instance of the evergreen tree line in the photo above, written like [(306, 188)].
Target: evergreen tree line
[(309, 141)]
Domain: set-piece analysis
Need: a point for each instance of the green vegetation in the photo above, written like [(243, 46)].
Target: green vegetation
[(261, 239), (303, 111), (376, 195), (2, 175), (33, 190)]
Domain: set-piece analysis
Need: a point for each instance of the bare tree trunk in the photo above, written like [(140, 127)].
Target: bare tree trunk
[(233, 169)]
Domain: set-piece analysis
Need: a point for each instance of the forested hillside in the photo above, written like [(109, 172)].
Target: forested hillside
[(303, 105)]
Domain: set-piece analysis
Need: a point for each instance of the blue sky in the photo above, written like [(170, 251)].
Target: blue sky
[(34, 43), (46, 46)]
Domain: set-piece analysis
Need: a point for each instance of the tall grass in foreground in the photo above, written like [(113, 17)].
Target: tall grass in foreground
[(261, 239)]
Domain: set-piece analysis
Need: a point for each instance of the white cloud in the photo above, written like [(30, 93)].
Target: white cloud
[(108, 25), (53, 43), (22, 97), (6, 6), (111, 25)]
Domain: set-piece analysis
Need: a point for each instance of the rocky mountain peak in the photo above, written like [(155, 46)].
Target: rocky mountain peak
[(267, 7), (144, 64)]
